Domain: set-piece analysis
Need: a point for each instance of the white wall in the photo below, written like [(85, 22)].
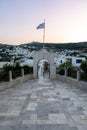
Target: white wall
[(77, 58)]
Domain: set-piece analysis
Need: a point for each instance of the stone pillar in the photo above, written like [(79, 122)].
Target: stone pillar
[(78, 75), (10, 76), (22, 72), (65, 72)]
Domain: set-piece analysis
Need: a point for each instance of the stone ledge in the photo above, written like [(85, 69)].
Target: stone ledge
[(14, 82), (72, 82)]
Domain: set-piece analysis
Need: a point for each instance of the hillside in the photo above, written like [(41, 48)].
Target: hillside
[(56, 46), (79, 45)]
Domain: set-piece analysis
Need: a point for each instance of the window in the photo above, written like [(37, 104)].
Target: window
[(78, 60)]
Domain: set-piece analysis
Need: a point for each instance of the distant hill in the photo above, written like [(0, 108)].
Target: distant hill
[(79, 45), (5, 46), (56, 46)]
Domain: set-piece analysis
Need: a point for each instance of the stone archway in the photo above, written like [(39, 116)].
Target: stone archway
[(43, 68), (44, 54)]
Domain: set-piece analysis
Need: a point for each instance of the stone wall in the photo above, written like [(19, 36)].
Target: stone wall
[(12, 83), (72, 82)]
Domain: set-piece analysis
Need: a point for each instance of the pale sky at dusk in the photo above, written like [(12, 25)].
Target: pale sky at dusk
[(66, 21)]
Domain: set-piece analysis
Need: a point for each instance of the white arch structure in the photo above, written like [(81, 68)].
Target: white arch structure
[(44, 54)]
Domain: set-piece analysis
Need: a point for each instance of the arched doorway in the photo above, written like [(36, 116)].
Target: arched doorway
[(43, 69), (44, 54)]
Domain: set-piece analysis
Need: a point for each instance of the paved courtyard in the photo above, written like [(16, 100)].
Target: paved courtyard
[(43, 104)]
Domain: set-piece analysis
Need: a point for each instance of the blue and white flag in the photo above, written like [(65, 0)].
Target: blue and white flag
[(41, 26)]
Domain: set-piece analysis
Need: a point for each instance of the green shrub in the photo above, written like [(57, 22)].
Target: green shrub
[(83, 66), (16, 71), (72, 72), (5, 59), (65, 65), (27, 69), (4, 76), (62, 71), (83, 76)]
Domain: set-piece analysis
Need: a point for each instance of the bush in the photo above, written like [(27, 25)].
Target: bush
[(61, 69), (4, 76), (72, 72), (83, 66), (16, 71), (83, 76), (65, 65), (27, 69), (5, 59), (8, 67)]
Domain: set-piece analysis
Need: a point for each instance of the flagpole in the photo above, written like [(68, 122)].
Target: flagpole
[(44, 34)]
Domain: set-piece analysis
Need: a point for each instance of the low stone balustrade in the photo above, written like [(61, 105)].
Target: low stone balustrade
[(78, 74), (13, 82), (76, 82)]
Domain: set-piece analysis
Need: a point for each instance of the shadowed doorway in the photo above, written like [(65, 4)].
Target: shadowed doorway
[(43, 69)]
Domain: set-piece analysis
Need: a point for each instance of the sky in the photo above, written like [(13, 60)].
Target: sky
[(65, 21)]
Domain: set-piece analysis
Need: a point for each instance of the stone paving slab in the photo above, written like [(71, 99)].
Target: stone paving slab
[(43, 104)]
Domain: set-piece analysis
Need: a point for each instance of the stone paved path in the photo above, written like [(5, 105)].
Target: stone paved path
[(43, 105)]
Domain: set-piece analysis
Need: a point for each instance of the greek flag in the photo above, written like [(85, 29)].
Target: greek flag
[(41, 26)]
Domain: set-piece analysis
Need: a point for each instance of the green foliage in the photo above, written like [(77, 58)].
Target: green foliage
[(27, 69), (61, 69), (72, 72), (16, 71), (83, 76), (74, 53), (5, 59), (4, 76), (83, 66), (17, 65), (65, 65)]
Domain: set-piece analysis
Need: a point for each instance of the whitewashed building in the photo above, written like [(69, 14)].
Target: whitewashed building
[(75, 61)]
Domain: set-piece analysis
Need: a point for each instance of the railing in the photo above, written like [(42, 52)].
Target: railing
[(18, 73), (77, 81), (12, 82), (70, 73), (14, 74)]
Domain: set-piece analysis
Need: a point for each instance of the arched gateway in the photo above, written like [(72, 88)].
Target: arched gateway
[(44, 54)]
